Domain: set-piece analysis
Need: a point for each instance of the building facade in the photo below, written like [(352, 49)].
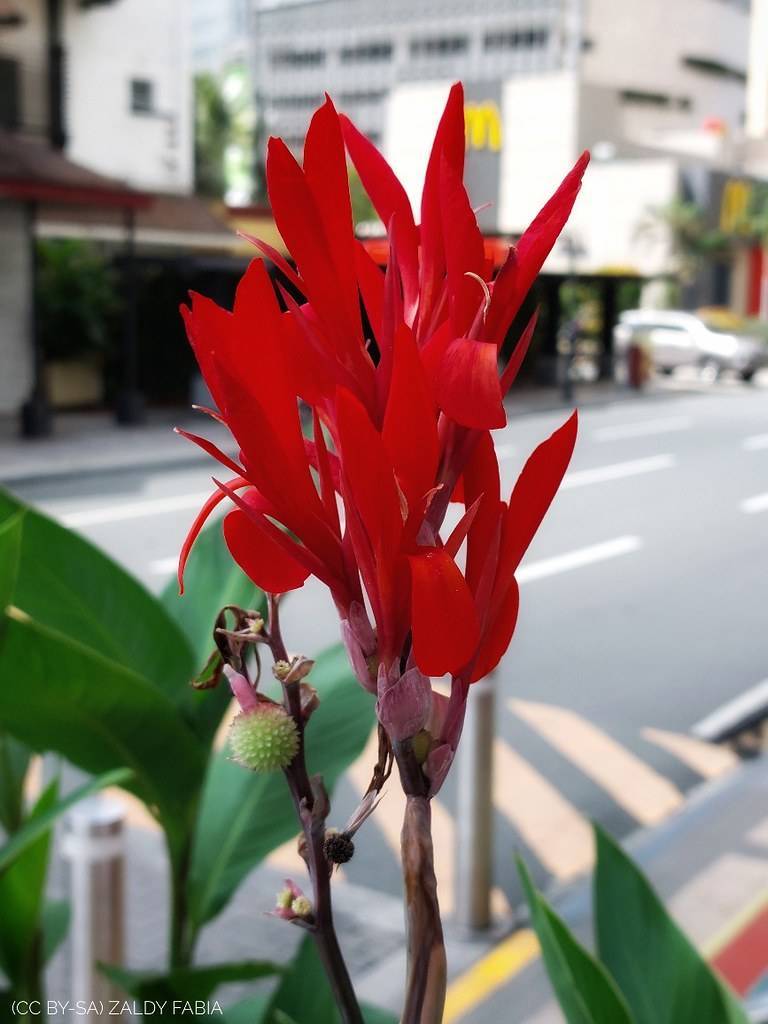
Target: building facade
[(124, 100)]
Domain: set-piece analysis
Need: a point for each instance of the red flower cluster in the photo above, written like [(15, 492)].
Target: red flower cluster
[(403, 401)]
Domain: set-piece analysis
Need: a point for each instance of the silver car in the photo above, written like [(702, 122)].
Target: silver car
[(714, 341)]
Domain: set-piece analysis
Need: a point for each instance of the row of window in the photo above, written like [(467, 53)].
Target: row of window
[(534, 37), (640, 98), (299, 101)]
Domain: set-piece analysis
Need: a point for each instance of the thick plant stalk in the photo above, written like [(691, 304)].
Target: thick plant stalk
[(425, 987)]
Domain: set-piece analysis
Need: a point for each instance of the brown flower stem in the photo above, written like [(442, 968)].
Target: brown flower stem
[(311, 803), (426, 980)]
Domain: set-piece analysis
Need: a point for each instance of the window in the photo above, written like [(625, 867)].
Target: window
[(533, 38), (297, 58), (714, 67), (362, 96), (142, 96), (366, 52), (439, 46), (640, 98), (9, 94), (298, 102)]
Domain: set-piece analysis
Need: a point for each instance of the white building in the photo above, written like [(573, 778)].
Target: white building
[(126, 97)]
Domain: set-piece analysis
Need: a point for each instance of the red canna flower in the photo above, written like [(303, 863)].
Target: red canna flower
[(401, 414)]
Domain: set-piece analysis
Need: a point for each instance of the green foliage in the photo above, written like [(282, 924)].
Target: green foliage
[(104, 670), (213, 126), (188, 983), (77, 298), (648, 972)]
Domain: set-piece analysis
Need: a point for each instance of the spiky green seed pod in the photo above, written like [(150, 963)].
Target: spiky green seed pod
[(264, 739)]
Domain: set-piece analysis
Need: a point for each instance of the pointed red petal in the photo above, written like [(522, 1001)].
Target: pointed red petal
[(468, 386), (498, 634), (512, 368), (533, 493), (371, 281), (410, 421), (211, 449), (459, 533), (275, 257), (445, 628), (261, 559), (526, 258), (481, 483), (464, 249), (199, 523)]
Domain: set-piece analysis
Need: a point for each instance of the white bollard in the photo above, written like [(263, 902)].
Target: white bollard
[(474, 833), (94, 846)]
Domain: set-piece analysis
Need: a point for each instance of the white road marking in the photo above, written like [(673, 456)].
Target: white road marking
[(617, 471), (643, 428), (758, 503), (710, 760), (578, 558), (732, 712), (755, 443), (134, 510), (634, 785)]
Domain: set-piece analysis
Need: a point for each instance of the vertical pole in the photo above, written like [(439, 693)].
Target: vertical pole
[(609, 287), (474, 850), (130, 404), (94, 846), (57, 135), (36, 412)]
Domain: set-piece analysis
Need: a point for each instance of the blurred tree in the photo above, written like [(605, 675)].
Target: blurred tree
[(362, 207), (213, 125), (77, 298)]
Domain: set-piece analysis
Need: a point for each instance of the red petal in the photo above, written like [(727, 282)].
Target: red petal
[(512, 368), (261, 559), (199, 523), (498, 635), (410, 421), (481, 483), (445, 629), (389, 198), (459, 533), (533, 493), (371, 281), (449, 146), (275, 257), (526, 258), (464, 249), (468, 385), (369, 474), (211, 449)]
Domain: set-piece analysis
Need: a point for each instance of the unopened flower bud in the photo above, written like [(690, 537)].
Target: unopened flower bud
[(301, 906), (281, 669), (265, 739)]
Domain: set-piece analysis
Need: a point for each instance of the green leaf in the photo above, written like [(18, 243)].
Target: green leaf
[(662, 976), (22, 888), (39, 823), (246, 1011), (55, 925), (375, 1015), (188, 983), (304, 993), (244, 816), (585, 991), (11, 532), (101, 716), (14, 764), (68, 585), (212, 580)]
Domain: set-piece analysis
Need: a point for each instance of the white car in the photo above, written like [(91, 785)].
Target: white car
[(713, 341)]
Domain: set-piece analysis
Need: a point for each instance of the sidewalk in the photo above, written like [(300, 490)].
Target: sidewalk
[(92, 442), (709, 862)]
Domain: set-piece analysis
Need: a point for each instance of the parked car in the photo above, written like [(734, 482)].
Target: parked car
[(714, 340)]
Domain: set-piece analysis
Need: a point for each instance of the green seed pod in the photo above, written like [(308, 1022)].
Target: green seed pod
[(264, 739)]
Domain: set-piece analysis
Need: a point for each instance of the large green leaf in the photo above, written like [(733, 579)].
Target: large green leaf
[(11, 532), (244, 816), (39, 823), (586, 992), (211, 581), (55, 925), (663, 977), (189, 983), (58, 695), (22, 888), (67, 584), (14, 764)]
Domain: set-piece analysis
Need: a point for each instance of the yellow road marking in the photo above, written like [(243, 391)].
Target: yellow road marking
[(707, 759), (551, 826), (641, 791), (490, 973)]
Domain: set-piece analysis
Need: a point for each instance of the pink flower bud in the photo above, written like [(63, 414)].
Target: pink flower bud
[(241, 689), (404, 705)]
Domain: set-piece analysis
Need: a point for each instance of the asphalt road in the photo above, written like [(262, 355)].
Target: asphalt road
[(643, 610)]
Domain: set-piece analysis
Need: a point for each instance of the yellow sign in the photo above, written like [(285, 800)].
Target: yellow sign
[(483, 125), (734, 205)]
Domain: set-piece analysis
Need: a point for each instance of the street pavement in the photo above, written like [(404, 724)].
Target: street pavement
[(642, 614)]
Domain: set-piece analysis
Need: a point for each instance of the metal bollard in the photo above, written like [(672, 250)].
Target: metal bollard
[(94, 845), (474, 846)]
